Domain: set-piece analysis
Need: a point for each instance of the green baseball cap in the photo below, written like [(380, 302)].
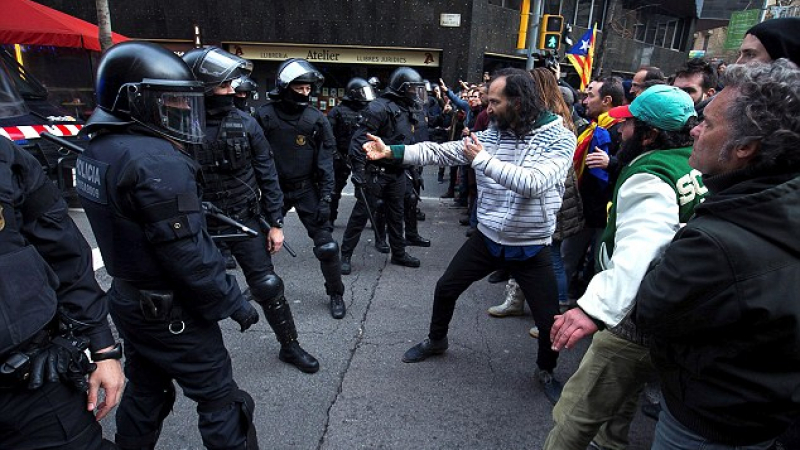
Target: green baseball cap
[(661, 106)]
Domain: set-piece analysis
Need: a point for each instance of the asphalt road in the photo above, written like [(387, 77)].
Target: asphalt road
[(480, 395)]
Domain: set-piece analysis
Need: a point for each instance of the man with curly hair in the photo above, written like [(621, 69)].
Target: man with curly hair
[(722, 307)]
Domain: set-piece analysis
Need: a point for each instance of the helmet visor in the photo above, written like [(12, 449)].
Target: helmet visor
[(364, 94), (170, 108), (220, 67), (301, 71), (417, 92)]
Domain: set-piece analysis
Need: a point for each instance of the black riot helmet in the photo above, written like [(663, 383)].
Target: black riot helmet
[(359, 90), (214, 66), (245, 85), (375, 82), (296, 71), (144, 83), (244, 89), (406, 83)]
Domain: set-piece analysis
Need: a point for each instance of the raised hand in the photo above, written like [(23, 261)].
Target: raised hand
[(376, 149)]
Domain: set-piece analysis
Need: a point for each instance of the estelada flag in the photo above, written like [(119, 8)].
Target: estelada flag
[(581, 55)]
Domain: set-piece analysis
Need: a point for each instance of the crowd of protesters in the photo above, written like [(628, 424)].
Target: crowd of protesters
[(661, 247)]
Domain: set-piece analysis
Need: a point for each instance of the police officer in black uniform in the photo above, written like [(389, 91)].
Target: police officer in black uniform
[(239, 178), (137, 182), (51, 311), (344, 119), (303, 144), (394, 116), (245, 89)]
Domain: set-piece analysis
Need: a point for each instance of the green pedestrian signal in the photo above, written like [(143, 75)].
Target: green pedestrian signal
[(550, 30)]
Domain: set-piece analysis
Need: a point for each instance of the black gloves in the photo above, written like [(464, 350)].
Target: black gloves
[(357, 178), (64, 358), (323, 211), (246, 316)]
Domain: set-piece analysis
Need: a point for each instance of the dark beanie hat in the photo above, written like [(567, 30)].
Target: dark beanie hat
[(780, 37)]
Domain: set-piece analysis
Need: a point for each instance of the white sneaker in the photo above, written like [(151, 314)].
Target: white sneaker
[(534, 332), (513, 305)]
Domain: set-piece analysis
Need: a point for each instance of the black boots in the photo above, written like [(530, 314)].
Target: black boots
[(405, 260), (345, 264), (417, 241), (292, 353), (281, 321), (338, 308)]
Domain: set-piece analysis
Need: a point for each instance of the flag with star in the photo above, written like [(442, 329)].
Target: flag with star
[(581, 55)]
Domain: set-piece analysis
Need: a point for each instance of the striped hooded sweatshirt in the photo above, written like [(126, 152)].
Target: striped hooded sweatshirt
[(520, 179)]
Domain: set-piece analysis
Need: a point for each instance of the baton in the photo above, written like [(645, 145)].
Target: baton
[(74, 148), (217, 213), (369, 211)]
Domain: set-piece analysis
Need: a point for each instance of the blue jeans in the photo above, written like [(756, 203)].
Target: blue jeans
[(672, 435), (561, 274)]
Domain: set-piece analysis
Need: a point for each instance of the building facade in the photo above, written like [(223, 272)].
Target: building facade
[(451, 39)]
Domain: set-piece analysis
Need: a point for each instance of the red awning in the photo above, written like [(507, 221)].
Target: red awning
[(27, 22)]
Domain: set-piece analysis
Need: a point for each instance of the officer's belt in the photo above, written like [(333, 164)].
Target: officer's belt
[(295, 185), (371, 168)]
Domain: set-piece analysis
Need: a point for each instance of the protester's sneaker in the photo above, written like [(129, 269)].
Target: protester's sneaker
[(424, 349), (513, 305), (550, 386), (534, 332)]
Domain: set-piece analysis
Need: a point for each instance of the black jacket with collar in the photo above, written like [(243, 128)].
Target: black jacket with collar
[(723, 310)]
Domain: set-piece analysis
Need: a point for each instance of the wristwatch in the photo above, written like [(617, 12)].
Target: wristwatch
[(277, 224), (114, 353)]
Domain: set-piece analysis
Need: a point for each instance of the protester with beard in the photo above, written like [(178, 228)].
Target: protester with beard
[(521, 162), (657, 191)]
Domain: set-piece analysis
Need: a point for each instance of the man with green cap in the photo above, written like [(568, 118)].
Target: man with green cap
[(655, 193)]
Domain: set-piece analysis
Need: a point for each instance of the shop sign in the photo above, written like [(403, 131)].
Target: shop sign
[(338, 55)]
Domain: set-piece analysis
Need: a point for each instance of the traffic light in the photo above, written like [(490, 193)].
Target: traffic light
[(550, 30)]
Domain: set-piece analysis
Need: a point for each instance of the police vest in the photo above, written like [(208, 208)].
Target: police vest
[(127, 253), (401, 126), (346, 124), (294, 141), (226, 166), (27, 285)]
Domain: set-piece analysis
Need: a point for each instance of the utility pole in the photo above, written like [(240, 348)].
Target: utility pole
[(533, 31), (103, 24)]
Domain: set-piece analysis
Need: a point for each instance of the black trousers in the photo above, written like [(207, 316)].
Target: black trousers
[(196, 358), (389, 188), (53, 417), (535, 276), (340, 173), (306, 201)]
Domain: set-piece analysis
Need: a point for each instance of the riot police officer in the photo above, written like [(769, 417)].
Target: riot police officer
[(394, 117), (303, 144), (51, 311), (239, 178), (138, 185), (344, 119), (245, 89)]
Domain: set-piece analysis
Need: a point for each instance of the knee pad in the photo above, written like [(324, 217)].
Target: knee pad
[(267, 288), (328, 251)]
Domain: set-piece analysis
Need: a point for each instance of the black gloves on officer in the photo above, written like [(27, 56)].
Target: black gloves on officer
[(246, 316), (64, 358), (323, 211)]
